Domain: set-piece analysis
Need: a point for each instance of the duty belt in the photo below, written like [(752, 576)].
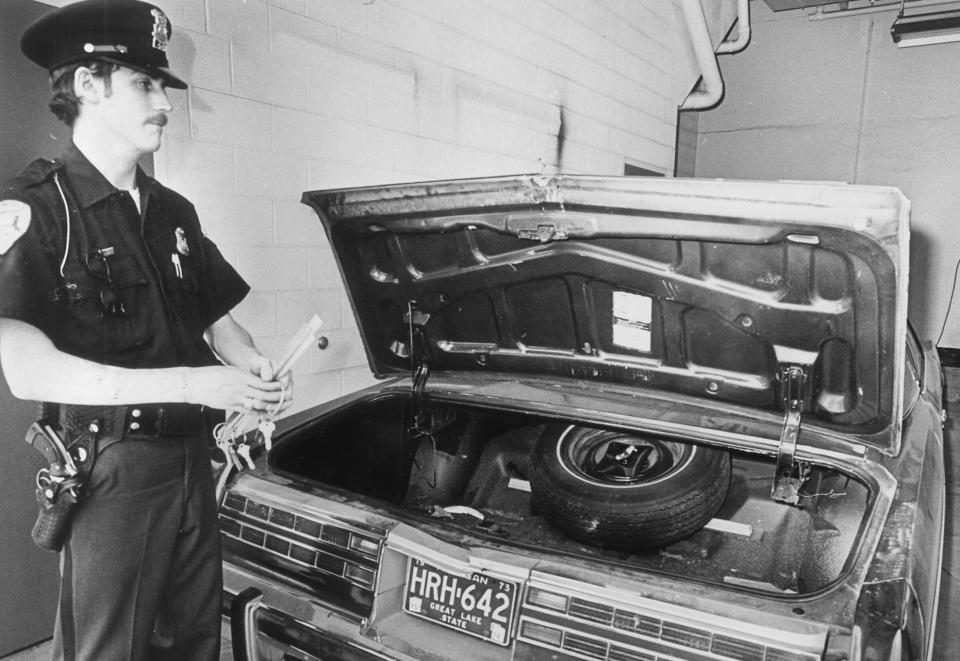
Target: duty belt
[(146, 420)]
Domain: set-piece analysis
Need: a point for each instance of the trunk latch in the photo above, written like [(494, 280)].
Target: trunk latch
[(542, 232), (790, 474)]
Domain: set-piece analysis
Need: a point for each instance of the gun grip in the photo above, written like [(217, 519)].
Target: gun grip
[(37, 438)]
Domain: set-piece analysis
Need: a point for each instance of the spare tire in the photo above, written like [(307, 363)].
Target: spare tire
[(625, 490)]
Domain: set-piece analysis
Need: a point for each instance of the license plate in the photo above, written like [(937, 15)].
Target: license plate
[(480, 605)]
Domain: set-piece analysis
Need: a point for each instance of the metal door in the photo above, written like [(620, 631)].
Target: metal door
[(28, 576)]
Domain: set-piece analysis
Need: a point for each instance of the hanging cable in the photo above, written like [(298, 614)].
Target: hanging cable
[(66, 210)]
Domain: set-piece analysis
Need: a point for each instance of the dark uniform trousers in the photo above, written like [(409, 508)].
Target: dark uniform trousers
[(144, 546)]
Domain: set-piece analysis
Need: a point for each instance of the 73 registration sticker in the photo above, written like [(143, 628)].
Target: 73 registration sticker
[(479, 605)]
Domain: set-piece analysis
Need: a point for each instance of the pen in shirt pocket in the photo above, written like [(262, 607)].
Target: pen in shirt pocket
[(175, 258)]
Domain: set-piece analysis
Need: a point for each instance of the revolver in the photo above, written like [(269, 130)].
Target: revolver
[(45, 440), (59, 486)]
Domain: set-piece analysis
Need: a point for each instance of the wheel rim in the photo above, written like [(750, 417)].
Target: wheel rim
[(615, 459)]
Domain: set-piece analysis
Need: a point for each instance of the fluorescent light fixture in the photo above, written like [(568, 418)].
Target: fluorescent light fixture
[(937, 27)]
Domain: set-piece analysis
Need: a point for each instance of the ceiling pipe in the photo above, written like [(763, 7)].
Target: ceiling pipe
[(821, 15), (709, 93), (743, 30)]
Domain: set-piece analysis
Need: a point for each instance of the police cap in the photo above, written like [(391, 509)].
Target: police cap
[(131, 33)]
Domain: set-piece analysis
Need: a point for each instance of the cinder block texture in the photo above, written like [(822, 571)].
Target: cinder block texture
[(292, 95), (838, 100)]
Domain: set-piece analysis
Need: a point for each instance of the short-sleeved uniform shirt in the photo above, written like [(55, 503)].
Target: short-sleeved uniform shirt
[(103, 280)]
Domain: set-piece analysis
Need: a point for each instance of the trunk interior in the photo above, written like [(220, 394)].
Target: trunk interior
[(466, 470)]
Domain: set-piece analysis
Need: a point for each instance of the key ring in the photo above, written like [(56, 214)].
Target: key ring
[(44, 479), (283, 398)]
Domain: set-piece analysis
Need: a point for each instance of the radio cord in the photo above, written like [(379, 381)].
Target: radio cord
[(66, 209)]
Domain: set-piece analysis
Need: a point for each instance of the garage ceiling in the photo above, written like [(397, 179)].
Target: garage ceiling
[(782, 5)]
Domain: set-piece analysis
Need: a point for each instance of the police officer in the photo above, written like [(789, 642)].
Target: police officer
[(114, 306)]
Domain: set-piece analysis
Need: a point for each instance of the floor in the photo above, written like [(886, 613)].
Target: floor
[(42, 651), (948, 616)]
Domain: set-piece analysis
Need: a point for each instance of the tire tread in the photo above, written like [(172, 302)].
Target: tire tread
[(622, 520)]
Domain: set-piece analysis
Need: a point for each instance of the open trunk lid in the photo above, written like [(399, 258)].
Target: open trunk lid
[(784, 297)]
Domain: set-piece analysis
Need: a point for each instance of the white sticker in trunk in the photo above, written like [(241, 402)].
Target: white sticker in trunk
[(632, 314)]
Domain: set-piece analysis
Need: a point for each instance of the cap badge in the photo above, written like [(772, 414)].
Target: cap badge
[(161, 29), (14, 220), (182, 246)]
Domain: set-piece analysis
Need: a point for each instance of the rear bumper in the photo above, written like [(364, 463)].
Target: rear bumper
[(259, 631)]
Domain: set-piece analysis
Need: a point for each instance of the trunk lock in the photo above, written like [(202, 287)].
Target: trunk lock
[(791, 474)]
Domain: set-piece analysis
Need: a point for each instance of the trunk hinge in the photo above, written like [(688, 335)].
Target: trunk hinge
[(420, 374), (790, 474), (422, 424), (419, 367)]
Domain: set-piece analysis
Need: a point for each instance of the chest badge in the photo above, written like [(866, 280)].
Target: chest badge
[(182, 246), (14, 220)]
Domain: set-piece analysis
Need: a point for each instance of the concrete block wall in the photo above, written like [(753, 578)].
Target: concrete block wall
[(292, 95), (837, 100)]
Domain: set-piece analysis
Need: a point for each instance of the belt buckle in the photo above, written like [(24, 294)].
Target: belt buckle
[(160, 420)]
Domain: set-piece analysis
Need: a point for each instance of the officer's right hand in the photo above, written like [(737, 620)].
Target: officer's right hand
[(232, 389), (263, 367)]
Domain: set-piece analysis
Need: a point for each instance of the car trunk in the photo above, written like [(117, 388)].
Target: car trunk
[(457, 470), (548, 341)]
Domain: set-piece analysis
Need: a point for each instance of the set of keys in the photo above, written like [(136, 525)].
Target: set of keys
[(233, 442), (239, 452)]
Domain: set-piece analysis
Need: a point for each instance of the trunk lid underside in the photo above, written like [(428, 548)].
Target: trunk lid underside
[(711, 289)]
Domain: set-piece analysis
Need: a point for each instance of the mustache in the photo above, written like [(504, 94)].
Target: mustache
[(159, 120)]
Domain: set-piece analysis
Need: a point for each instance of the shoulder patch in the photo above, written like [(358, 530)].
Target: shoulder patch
[(14, 221)]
